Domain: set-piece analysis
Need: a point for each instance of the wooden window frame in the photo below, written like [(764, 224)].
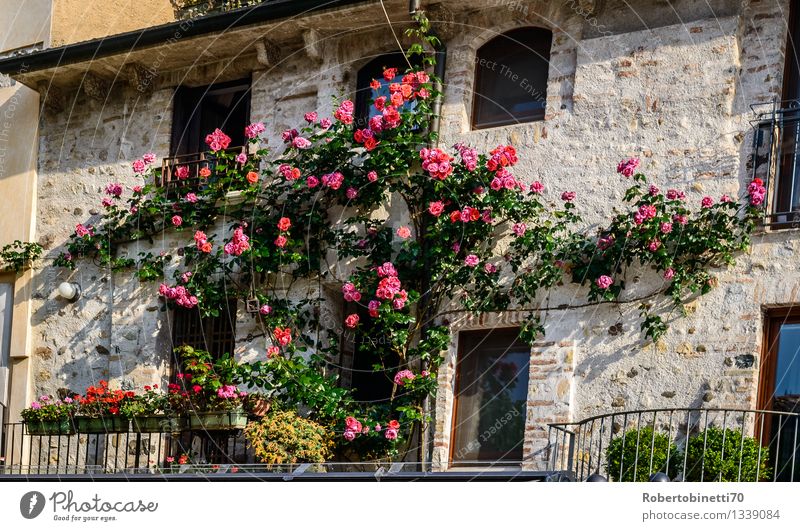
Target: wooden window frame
[(462, 342)]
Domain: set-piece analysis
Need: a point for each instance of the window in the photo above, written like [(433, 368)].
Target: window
[(369, 364), (197, 111), (491, 397), (511, 78), (213, 334), (364, 110), (779, 389)]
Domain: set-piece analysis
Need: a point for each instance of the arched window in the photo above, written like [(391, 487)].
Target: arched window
[(374, 70), (511, 78)]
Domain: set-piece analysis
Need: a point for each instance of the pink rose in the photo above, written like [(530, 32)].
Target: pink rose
[(391, 434), (471, 260), (177, 221), (568, 196), (351, 321), (604, 282), (404, 232), (669, 273), (707, 202)]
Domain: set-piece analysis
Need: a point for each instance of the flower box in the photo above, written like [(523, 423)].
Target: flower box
[(107, 424), (51, 427), (217, 420), (157, 424)]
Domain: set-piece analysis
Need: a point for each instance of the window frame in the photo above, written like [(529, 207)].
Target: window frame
[(476, 101), (185, 113), (464, 339), (373, 69), (206, 329), (773, 320)]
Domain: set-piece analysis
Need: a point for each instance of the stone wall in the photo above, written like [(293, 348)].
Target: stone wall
[(675, 94)]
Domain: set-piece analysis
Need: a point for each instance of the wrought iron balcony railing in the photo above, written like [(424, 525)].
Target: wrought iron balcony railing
[(776, 161), (185, 170), (683, 444)]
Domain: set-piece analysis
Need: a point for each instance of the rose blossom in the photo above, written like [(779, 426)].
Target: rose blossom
[(707, 202), (253, 130), (669, 273), (352, 320), (568, 196), (82, 231), (519, 229), (177, 220), (404, 232), (284, 224), (265, 309), (138, 166), (436, 208), (628, 167), (401, 377), (471, 260), (537, 187), (604, 282), (391, 434)]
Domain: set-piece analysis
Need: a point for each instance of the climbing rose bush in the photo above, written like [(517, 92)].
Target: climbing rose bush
[(473, 236)]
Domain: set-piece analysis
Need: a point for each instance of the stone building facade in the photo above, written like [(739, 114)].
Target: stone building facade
[(672, 83)]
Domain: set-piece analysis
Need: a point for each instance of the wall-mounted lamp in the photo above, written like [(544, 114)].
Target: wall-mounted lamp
[(70, 291)]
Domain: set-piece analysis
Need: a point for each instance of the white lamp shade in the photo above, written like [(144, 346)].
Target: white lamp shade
[(68, 290)]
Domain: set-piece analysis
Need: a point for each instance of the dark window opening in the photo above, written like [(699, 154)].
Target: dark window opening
[(214, 334), (491, 397), (373, 367), (364, 110), (511, 78), (197, 111), (786, 198)]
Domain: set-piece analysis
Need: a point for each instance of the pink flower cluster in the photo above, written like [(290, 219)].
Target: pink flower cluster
[(179, 294), (504, 179), (389, 287), (289, 173), (628, 167), (333, 180), (351, 294), (469, 156), (345, 112), (218, 140), (673, 194), (114, 189), (436, 162), (644, 213), (353, 427), (501, 157), (238, 244), (82, 231), (253, 130), (756, 191), (403, 377), (201, 242), (228, 392)]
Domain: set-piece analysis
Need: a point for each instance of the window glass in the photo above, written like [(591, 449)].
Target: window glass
[(511, 78), (491, 397)]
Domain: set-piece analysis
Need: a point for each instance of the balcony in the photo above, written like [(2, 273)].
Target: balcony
[(685, 444), (776, 161)]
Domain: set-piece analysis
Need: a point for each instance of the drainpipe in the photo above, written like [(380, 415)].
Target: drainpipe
[(425, 444)]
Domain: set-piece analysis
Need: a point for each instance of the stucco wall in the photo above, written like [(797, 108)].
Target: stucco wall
[(676, 95), (77, 20)]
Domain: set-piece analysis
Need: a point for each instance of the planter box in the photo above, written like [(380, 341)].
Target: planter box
[(51, 427), (217, 420), (158, 424), (110, 424)]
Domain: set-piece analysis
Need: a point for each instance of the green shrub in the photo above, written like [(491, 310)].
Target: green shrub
[(285, 437), (707, 456), (622, 451)]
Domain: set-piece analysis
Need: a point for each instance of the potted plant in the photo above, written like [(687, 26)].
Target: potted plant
[(99, 411), (214, 401), (50, 416), (152, 412), (221, 411)]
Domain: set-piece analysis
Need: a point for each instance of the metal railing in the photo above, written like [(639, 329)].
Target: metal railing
[(213, 455), (776, 161), (193, 164), (680, 444)]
